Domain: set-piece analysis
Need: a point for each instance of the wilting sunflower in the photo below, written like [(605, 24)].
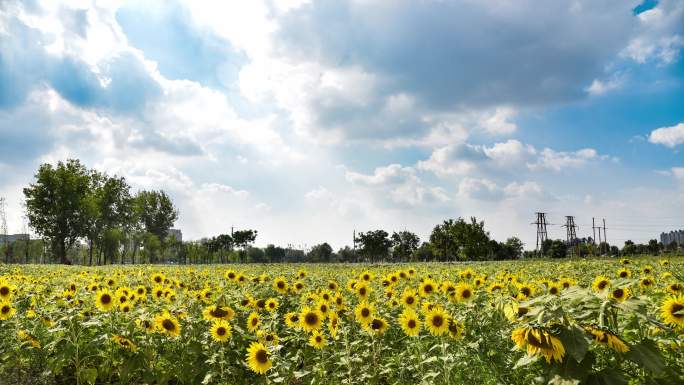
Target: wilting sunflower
[(258, 358), (606, 337), (6, 311), (124, 343), (437, 321), (221, 331), (456, 329), (600, 283), (253, 322), (539, 342), (427, 287), (624, 273), (377, 326), (515, 311), (317, 340), (168, 324), (672, 311), (620, 294), (215, 313), (409, 322), (292, 320), (464, 292), (364, 312), (104, 300), (280, 284), (310, 319)]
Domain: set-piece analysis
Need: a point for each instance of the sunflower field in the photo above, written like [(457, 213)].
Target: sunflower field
[(522, 322)]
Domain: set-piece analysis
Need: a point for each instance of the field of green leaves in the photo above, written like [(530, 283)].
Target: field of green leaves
[(523, 322)]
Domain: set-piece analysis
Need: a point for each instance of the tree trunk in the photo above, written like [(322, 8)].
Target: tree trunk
[(62, 252)]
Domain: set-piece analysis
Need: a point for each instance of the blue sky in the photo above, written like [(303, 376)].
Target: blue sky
[(310, 119)]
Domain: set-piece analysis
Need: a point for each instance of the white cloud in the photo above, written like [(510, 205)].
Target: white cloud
[(600, 87), (659, 35), (499, 122), (559, 160), (668, 136)]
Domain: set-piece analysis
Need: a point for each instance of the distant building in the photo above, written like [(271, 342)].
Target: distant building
[(676, 236), (176, 233), (13, 237)]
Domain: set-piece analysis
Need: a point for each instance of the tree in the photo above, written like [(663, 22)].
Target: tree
[(156, 212), (244, 238), (629, 248), (375, 244), (347, 254), (320, 253), (460, 239), (404, 244), (423, 253), (444, 245), (515, 247), (556, 248), (56, 204), (274, 253), (653, 247)]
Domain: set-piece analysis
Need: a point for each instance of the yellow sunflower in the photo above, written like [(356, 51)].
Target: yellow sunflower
[(600, 283), (317, 340), (606, 337), (6, 311), (437, 321), (104, 300), (409, 298), (221, 331), (253, 322), (464, 292), (258, 358), (215, 313), (672, 311), (292, 320), (427, 287), (409, 322), (364, 312), (333, 324), (310, 319), (280, 284), (624, 273), (377, 326), (124, 343), (168, 324), (539, 342), (620, 294), (456, 329)]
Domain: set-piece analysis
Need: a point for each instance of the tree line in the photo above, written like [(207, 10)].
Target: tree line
[(88, 217)]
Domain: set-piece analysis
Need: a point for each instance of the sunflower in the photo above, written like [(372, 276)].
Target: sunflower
[(258, 358), (280, 284), (6, 311), (125, 307), (253, 322), (606, 337), (539, 342), (515, 311), (554, 288), (675, 288), (624, 273), (298, 286), (646, 282), (215, 313), (124, 343), (409, 298), (620, 294), (292, 320), (158, 278), (495, 288), (525, 291), (409, 322), (366, 276), (437, 321), (268, 338), (456, 329), (376, 326), (362, 290), (672, 311), (310, 319), (5, 291), (427, 287), (338, 300), (333, 324), (364, 312), (317, 340), (600, 283), (221, 331), (25, 336), (168, 324), (104, 300), (464, 292)]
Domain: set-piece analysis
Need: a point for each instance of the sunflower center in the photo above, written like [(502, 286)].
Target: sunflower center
[(106, 299), (319, 339), (618, 293), (362, 291), (221, 331), (365, 312), (411, 324), (376, 324), (523, 310), (218, 312), (281, 285), (167, 324), (437, 321), (311, 319), (677, 308), (255, 321), (410, 300), (5, 309), (602, 285), (4, 291), (466, 294), (525, 291), (428, 288), (261, 356)]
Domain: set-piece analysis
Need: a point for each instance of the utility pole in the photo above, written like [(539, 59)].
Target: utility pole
[(542, 234), (605, 238), (571, 234)]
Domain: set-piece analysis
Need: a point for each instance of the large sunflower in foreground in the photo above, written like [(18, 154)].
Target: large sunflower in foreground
[(672, 311), (104, 300), (221, 331), (437, 321), (606, 337), (167, 324), (540, 342), (258, 358)]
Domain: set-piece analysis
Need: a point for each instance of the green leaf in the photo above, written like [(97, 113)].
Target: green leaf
[(607, 377), (89, 375), (647, 355), (525, 360), (575, 342)]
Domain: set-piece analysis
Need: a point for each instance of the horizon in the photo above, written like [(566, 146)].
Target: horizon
[(307, 121)]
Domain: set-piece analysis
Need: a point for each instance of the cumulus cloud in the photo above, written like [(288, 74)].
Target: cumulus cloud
[(668, 136), (660, 34)]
